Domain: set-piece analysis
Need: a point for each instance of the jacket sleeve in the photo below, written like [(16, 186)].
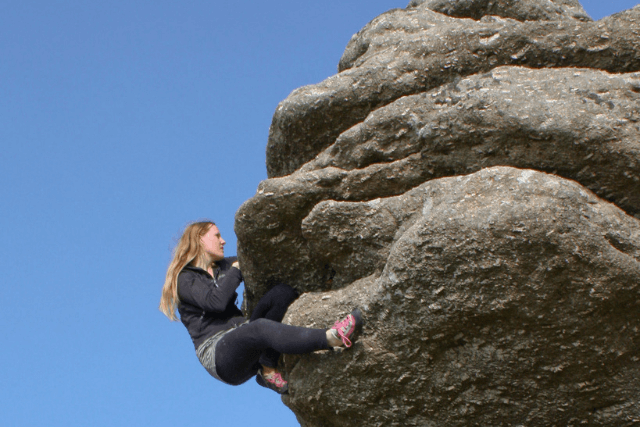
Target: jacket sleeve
[(230, 273), (194, 290)]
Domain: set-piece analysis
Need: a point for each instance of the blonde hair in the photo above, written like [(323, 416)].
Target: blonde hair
[(189, 247)]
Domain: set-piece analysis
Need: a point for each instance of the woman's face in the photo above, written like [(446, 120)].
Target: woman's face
[(213, 243)]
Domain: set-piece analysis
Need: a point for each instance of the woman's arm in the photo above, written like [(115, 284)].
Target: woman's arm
[(200, 292), (229, 269)]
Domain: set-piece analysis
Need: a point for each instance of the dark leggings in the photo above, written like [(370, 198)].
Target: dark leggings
[(240, 352)]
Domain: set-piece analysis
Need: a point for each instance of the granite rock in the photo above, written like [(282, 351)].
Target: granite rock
[(470, 179), (508, 297), (521, 10), (581, 124), (409, 51)]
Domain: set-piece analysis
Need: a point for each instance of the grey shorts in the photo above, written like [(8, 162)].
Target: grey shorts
[(207, 352)]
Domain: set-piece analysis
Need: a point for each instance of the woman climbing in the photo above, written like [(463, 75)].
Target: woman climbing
[(201, 283)]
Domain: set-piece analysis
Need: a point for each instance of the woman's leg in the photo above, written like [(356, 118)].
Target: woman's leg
[(273, 305), (238, 352)]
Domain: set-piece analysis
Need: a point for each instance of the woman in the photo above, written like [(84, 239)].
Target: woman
[(202, 284)]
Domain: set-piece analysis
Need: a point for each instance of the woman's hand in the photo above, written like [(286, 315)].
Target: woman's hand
[(236, 265)]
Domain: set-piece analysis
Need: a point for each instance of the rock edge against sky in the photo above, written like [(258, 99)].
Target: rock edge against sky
[(470, 180)]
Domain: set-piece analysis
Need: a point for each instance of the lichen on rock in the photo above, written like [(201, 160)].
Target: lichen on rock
[(471, 180)]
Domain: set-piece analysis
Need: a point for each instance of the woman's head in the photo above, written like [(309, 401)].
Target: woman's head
[(212, 244), (190, 247), (191, 242)]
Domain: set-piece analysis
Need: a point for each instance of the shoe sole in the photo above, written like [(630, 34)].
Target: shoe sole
[(357, 315)]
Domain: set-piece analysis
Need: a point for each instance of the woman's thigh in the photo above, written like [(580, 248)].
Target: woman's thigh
[(237, 354)]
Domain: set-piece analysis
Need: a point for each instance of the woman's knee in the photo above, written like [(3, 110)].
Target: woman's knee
[(273, 304), (285, 292), (259, 328)]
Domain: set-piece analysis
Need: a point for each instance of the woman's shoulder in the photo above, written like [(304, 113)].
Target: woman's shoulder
[(189, 280), (188, 274)]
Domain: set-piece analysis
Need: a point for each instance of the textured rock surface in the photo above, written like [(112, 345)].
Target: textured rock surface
[(410, 51), (471, 180), (522, 10), (508, 296), (579, 123)]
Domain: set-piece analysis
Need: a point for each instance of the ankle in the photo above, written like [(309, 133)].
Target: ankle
[(268, 371), (332, 338)]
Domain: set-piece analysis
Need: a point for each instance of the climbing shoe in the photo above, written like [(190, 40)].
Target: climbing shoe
[(347, 328), (274, 382)]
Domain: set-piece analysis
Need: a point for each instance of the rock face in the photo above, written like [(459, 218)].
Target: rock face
[(404, 52), (507, 296), (470, 180)]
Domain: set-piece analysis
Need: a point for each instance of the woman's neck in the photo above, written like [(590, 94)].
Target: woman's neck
[(204, 262)]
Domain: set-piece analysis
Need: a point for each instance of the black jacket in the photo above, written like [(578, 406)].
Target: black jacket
[(207, 304)]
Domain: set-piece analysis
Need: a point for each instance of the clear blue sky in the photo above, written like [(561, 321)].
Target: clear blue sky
[(119, 123)]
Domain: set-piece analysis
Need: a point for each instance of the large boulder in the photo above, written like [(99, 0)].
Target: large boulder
[(471, 180), (408, 51), (508, 297), (581, 124), (578, 123)]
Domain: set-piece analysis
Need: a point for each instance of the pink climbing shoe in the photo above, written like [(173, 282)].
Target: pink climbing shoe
[(347, 328), (274, 382)]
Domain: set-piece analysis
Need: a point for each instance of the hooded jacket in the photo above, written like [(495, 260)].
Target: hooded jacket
[(207, 303)]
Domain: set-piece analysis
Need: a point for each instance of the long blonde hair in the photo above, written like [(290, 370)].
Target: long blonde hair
[(188, 248)]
